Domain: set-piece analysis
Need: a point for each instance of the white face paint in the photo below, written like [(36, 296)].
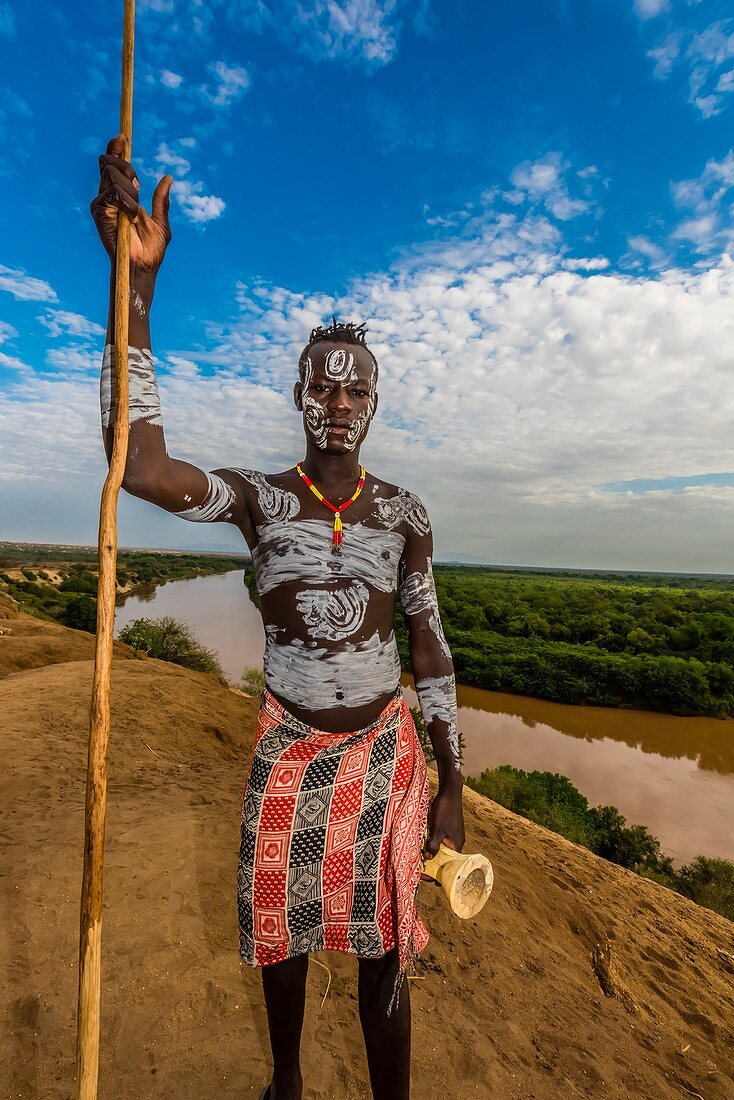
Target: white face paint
[(275, 504), (300, 550), (144, 400), (403, 507), (333, 615), (437, 698), (218, 504), (315, 415), (339, 366), (319, 679)]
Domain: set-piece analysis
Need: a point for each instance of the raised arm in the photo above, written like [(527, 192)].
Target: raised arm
[(435, 685), (150, 472)]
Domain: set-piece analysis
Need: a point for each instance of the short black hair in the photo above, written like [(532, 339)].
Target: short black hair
[(338, 332)]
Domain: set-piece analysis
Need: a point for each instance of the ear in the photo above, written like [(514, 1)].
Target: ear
[(374, 407), (298, 396)]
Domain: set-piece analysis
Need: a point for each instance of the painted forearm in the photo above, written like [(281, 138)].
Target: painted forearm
[(437, 700), (432, 667), (145, 403)]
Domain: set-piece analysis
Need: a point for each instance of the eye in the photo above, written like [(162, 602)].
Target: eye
[(359, 393), (319, 389)]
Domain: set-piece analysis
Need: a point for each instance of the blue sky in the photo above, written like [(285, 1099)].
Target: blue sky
[(530, 205)]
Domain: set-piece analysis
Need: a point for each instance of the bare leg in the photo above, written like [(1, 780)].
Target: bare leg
[(386, 1038), (284, 986)]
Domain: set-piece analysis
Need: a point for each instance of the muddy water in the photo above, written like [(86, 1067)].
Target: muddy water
[(674, 775)]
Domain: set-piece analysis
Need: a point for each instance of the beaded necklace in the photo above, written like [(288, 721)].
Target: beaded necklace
[(336, 535)]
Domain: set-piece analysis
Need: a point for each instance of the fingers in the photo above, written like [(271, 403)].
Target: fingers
[(114, 158), (117, 191), (161, 204)]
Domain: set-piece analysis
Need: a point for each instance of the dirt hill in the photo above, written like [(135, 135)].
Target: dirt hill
[(578, 979)]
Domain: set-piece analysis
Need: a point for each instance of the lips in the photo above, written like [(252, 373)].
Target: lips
[(345, 424)]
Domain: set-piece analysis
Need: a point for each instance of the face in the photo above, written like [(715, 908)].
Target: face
[(338, 396)]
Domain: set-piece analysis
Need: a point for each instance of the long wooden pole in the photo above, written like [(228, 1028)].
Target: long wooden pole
[(90, 935)]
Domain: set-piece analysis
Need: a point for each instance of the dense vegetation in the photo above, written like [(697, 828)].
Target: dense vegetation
[(551, 800), (167, 639), (651, 641), (60, 582), (659, 643)]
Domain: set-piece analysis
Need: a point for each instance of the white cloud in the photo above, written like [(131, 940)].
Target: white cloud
[(7, 332), (232, 81), (544, 182), (364, 32), (703, 53), (60, 322), (74, 359), (665, 54), (653, 253), (11, 362), (648, 9), (592, 263), (168, 159), (512, 388), (24, 287), (170, 80), (197, 206), (706, 202)]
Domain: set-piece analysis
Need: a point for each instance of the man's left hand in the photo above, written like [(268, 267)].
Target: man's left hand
[(445, 824)]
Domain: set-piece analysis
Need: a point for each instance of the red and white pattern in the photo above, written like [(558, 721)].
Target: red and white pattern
[(333, 826)]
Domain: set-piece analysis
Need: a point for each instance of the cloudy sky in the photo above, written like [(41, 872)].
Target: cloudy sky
[(529, 204)]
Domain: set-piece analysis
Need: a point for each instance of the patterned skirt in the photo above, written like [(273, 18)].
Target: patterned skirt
[(333, 826)]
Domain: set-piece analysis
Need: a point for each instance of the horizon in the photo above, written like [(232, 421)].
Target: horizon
[(529, 207), (225, 552)]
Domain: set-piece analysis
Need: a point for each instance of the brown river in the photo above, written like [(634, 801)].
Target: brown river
[(673, 775)]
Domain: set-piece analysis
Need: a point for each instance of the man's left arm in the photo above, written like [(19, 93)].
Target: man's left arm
[(435, 685)]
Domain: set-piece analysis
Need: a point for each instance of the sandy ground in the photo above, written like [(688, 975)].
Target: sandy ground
[(578, 979)]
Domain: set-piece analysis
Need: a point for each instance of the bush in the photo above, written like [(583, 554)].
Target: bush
[(709, 882), (253, 681), (170, 640), (80, 613)]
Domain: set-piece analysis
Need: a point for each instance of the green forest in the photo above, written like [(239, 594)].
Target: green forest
[(610, 639)]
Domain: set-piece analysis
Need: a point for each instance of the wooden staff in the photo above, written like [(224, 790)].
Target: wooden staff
[(88, 1017)]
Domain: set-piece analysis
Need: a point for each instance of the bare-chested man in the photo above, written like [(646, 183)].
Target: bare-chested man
[(336, 804)]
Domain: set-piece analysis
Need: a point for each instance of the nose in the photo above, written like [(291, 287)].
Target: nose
[(339, 400)]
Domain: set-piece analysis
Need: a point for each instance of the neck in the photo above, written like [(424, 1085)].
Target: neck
[(329, 469)]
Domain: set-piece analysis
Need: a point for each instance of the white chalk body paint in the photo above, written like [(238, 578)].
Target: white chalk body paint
[(334, 615), (339, 366), (418, 595), (315, 415), (144, 400), (300, 550), (137, 303), (403, 507), (437, 699), (218, 504), (275, 504), (319, 679)]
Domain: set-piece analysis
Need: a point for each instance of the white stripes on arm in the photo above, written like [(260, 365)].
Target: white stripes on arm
[(219, 503), (144, 400)]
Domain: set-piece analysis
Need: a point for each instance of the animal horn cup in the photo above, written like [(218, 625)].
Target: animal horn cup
[(466, 880)]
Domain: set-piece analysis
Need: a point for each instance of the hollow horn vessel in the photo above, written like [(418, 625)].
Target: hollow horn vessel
[(466, 879)]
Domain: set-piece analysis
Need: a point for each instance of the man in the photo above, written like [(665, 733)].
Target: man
[(335, 808)]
